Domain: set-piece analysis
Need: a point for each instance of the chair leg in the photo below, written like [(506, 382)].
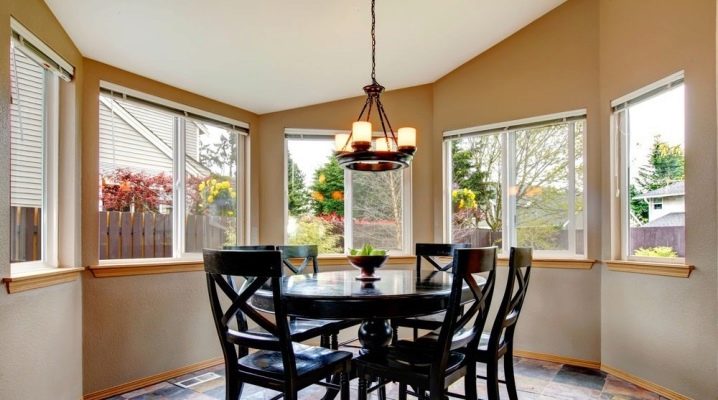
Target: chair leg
[(344, 384), (382, 390), (492, 379), (470, 381), (509, 372), (362, 387), (416, 333), (291, 395), (335, 341), (402, 391), (394, 332), (233, 386)]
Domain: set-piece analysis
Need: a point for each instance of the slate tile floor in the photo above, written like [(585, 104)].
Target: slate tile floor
[(535, 380)]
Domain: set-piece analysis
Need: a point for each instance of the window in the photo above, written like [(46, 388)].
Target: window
[(518, 184), (339, 209), (170, 181), (34, 93), (648, 134)]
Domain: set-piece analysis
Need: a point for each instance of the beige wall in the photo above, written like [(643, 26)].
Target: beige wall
[(548, 67), (663, 329), (41, 330), (138, 326), (406, 107)]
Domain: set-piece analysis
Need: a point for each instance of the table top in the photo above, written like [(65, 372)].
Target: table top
[(338, 295)]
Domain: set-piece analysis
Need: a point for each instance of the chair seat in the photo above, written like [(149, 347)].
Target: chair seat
[(309, 359), (302, 329), (461, 339)]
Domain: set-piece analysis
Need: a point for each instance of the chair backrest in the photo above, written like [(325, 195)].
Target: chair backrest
[(431, 252), (455, 330), (307, 254), (517, 284), (258, 267)]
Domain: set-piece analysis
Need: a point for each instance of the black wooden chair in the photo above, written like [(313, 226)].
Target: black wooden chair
[(297, 258), (279, 363), (431, 253), (436, 360), (500, 342)]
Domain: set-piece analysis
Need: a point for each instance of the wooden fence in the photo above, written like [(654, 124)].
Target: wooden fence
[(125, 234), (25, 234)]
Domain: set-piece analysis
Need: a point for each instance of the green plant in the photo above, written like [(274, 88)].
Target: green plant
[(367, 250), (658, 251), (313, 230)]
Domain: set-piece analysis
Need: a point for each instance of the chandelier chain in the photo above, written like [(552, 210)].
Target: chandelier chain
[(373, 44)]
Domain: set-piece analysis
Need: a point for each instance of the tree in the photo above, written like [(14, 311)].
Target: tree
[(327, 190), (666, 165), (377, 209), (298, 196), (218, 152)]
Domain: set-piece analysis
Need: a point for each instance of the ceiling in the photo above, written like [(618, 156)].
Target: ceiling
[(273, 55)]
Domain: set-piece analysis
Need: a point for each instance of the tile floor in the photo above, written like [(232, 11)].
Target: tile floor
[(535, 380)]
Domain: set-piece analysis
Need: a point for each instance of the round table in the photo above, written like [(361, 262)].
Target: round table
[(338, 295)]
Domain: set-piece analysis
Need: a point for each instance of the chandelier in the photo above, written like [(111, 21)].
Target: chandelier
[(392, 151)]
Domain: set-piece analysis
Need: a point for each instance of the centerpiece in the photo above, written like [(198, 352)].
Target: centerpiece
[(367, 259)]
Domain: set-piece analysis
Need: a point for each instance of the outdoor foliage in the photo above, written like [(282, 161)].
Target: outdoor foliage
[(213, 197), (127, 190), (313, 230), (658, 251)]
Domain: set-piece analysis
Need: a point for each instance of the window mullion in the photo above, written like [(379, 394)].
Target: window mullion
[(348, 235), (508, 235), (571, 192), (178, 198)]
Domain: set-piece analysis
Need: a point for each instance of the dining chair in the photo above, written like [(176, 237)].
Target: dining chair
[(278, 362), (436, 360), (297, 259), (500, 341), (431, 253)]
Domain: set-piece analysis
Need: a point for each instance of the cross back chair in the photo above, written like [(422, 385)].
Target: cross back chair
[(435, 361), (279, 363), (431, 253), (298, 259), (500, 342)]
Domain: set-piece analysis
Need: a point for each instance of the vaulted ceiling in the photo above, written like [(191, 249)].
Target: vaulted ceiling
[(273, 55)]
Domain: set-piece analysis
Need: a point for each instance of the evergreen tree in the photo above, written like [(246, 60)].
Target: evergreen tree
[(327, 190), (298, 196), (666, 165)]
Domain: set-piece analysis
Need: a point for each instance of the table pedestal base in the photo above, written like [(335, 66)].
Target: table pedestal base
[(374, 335)]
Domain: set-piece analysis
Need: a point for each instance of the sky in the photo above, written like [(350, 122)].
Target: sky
[(660, 115), (309, 155)]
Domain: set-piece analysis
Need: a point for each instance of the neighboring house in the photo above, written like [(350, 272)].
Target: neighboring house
[(666, 205), (141, 138)]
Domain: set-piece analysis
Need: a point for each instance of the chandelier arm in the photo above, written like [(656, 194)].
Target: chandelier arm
[(381, 110), (382, 117), (372, 100), (364, 109)]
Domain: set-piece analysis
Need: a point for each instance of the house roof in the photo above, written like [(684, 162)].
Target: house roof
[(674, 189), (672, 219)]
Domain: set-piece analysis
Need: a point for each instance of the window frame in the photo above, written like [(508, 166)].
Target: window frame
[(49, 248), (619, 135), (326, 134), (182, 113), (506, 131)]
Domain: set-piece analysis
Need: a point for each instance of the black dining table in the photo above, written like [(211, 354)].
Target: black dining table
[(339, 295)]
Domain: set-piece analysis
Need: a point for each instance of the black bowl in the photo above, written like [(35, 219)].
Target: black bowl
[(367, 265)]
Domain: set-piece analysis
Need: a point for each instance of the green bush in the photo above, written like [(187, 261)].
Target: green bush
[(658, 251), (316, 231)]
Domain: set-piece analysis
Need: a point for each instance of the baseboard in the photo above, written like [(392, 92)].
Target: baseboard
[(655, 388), (648, 385), (151, 380), (558, 359)]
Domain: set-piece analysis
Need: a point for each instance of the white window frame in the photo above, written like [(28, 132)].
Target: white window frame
[(294, 134), (51, 111), (620, 164), (506, 131), (181, 114)]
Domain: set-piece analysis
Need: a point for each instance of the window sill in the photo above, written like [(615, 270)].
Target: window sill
[(650, 268), (39, 278), (555, 263), (106, 270)]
